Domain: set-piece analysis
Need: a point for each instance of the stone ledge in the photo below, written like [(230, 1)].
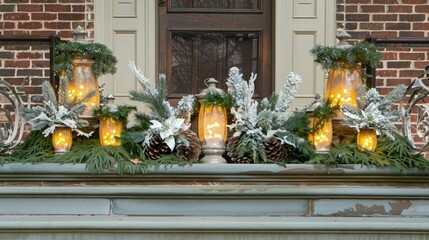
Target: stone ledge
[(219, 173), (222, 224)]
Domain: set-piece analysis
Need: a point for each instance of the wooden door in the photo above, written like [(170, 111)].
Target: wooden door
[(200, 39)]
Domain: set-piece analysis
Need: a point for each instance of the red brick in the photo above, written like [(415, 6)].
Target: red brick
[(357, 17), (411, 34), (384, 33), (57, 25), (390, 56), (40, 64), (33, 90), (65, 34), (72, 1), (399, 64), (43, 33), (7, 8), (379, 82), (29, 25), (398, 81), (16, 16), (351, 8), (412, 56), (15, 64), (385, 17), (16, 33), (351, 26), (400, 9), (385, 1), (7, 55), (371, 26), (414, 1), (387, 73), (398, 26), (43, 1), (422, 9), (412, 17), (57, 8), (43, 16), (30, 55), (409, 73), (78, 8), (7, 25), (358, 1), (71, 16), (30, 8), (16, 1), (373, 8), (420, 65), (420, 26)]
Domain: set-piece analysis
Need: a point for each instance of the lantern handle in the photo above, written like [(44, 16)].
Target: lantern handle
[(210, 82)]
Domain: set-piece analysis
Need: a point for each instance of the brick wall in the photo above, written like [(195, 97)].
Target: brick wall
[(29, 65)]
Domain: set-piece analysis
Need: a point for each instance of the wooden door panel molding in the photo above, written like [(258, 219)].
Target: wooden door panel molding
[(222, 26)]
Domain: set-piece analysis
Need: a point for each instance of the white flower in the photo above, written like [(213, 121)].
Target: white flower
[(168, 129)]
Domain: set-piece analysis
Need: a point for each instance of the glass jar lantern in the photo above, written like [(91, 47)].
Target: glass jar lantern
[(82, 83), (109, 130), (322, 138), (212, 126), (62, 139), (367, 139), (342, 85)]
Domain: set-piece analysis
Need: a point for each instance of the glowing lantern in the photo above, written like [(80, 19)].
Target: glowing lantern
[(62, 139), (83, 82), (321, 138), (109, 130), (212, 126), (367, 139), (343, 84)]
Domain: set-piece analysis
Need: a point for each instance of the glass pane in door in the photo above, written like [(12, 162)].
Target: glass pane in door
[(197, 56)]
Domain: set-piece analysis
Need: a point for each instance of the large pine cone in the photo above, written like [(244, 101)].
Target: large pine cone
[(156, 148), (192, 152), (274, 149), (231, 151)]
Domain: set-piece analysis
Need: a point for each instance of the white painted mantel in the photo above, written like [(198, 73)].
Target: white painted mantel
[(53, 201)]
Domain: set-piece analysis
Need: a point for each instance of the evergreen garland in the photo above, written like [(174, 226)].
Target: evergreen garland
[(395, 153), (38, 149), (116, 112), (104, 60), (224, 100), (336, 57)]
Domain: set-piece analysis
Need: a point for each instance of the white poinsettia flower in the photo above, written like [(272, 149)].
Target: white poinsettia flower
[(168, 129)]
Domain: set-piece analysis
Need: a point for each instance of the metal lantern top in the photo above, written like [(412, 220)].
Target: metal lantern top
[(79, 34), (343, 39), (315, 104), (211, 88), (110, 99)]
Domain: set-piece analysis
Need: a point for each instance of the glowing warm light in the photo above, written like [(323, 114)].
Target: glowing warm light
[(62, 139), (342, 85), (212, 124), (83, 82), (367, 139), (321, 139), (109, 130)]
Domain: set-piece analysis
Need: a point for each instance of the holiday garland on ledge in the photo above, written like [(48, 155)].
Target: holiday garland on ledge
[(268, 132)]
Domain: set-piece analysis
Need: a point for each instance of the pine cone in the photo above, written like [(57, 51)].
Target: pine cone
[(192, 152), (231, 151), (274, 149), (156, 148)]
